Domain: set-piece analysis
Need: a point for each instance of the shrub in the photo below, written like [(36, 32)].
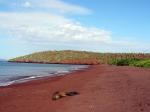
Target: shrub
[(142, 63), (122, 61)]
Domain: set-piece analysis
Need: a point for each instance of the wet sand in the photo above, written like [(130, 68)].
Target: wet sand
[(102, 88)]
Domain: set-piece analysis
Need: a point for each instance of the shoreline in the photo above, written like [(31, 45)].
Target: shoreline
[(30, 78), (101, 88), (34, 72), (40, 62)]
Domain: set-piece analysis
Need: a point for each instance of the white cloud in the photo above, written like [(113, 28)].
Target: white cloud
[(58, 6), (61, 6), (35, 27), (27, 4), (45, 29)]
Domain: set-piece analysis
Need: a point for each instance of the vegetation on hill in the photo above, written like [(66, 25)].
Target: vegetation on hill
[(130, 62), (84, 57), (65, 57)]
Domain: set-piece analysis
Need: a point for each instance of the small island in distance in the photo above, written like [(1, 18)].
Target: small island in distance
[(86, 57)]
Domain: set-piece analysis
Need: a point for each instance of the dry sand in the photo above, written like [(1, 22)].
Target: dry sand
[(102, 88)]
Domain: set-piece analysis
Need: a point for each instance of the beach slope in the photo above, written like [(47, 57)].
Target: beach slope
[(102, 88)]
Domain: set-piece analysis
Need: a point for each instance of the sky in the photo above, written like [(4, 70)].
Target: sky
[(28, 26)]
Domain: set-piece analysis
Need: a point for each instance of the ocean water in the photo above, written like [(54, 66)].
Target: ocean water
[(11, 73)]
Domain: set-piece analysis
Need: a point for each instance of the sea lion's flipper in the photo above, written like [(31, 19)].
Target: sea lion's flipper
[(55, 95), (72, 93)]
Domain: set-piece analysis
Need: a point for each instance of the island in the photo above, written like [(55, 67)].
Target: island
[(85, 57)]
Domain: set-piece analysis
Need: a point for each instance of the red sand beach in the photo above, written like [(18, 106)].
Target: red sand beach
[(102, 88)]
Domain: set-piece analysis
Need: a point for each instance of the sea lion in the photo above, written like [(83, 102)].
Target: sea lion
[(59, 94)]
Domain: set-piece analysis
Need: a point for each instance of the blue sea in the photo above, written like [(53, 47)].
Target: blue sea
[(11, 72)]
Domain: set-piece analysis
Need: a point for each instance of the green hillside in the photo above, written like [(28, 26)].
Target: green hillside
[(79, 57)]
